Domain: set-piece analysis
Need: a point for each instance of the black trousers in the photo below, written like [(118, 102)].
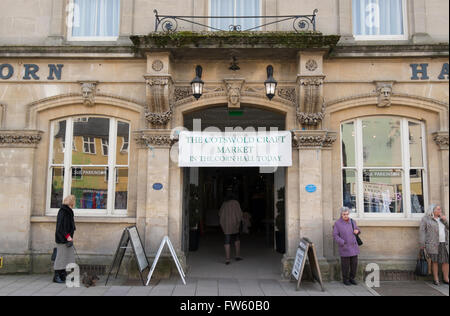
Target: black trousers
[(349, 267)]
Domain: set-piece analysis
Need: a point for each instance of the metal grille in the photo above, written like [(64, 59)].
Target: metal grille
[(93, 269)]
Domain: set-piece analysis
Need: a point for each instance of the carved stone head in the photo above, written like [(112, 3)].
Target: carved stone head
[(88, 93), (384, 92), (234, 87), (234, 95)]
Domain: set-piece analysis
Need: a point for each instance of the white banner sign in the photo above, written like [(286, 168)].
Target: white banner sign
[(235, 149)]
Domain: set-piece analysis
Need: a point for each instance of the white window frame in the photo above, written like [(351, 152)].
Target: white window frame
[(234, 13), (405, 169), (69, 22), (401, 37), (67, 166)]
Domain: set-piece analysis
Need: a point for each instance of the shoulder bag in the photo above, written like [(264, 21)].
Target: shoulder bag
[(358, 240)]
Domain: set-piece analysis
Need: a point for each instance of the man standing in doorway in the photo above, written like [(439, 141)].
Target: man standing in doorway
[(230, 214)]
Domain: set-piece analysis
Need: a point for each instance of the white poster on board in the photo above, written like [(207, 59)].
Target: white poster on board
[(235, 149)]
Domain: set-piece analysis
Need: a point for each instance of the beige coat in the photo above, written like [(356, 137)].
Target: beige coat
[(230, 214), (429, 234)]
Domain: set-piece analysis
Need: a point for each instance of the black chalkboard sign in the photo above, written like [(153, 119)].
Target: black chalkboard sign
[(306, 251), (130, 234)]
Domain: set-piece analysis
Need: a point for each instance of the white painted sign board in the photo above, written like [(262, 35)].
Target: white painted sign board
[(235, 149)]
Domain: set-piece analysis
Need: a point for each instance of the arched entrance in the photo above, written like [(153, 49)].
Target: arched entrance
[(260, 192)]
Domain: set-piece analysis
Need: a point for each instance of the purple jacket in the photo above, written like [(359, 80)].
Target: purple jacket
[(343, 234)]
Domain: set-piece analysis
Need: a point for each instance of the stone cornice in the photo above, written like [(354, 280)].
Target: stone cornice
[(67, 51), (20, 138), (224, 40), (441, 139), (387, 50), (154, 138), (316, 139)]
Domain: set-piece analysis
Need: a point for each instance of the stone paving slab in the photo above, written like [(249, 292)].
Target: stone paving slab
[(42, 285)]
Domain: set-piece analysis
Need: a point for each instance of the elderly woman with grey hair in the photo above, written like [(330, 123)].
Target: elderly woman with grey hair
[(344, 232), (65, 228), (434, 238)]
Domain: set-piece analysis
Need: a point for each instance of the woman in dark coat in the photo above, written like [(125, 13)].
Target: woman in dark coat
[(65, 228)]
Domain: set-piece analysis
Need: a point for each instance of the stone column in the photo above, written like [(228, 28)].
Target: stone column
[(17, 148), (441, 139)]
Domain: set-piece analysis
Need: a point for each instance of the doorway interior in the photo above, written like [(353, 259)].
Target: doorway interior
[(259, 191), (261, 197)]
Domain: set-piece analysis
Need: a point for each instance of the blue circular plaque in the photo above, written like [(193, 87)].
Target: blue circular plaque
[(311, 188), (157, 186)]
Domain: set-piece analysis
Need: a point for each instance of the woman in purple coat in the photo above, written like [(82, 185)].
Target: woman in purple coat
[(344, 232)]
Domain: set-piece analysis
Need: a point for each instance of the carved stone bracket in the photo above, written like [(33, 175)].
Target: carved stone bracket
[(88, 91), (155, 138), (441, 139), (234, 88), (310, 110), (20, 138), (160, 97), (313, 139)]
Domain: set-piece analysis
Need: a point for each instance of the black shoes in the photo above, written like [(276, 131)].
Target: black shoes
[(59, 277), (350, 282)]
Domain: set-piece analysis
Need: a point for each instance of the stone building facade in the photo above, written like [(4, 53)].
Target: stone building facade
[(368, 115)]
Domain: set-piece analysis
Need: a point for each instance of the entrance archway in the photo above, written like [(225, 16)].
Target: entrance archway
[(260, 193)]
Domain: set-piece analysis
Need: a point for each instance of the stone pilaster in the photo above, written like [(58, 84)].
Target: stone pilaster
[(17, 150), (160, 90), (441, 139), (310, 104), (157, 144), (310, 145)]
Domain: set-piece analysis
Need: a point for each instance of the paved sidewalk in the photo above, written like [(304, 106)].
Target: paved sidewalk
[(42, 285)]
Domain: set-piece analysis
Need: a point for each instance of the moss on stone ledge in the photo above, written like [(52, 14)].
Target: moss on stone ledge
[(187, 39)]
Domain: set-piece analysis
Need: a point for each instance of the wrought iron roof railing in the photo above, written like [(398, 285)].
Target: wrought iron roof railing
[(169, 23)]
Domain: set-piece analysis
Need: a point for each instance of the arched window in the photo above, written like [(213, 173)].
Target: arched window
[(384, 166), (97, 145)]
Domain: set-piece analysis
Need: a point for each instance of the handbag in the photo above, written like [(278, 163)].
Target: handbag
[(422, 264), (54, 254), (358, 240)]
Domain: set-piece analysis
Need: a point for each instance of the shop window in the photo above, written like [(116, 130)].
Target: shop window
[(234, 9), (383, 166), (94, 19), (96, 191), (379, 19)]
